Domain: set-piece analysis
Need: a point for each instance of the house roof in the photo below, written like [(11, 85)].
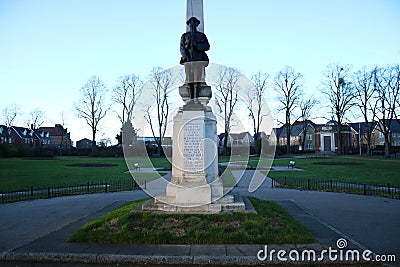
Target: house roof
[(361, 125), (240, 136), (236, 136), (42, 135), (277, 132), (57, 130), (23, 132), (84, 140), (394, 125), (296, 129), (3, 131)]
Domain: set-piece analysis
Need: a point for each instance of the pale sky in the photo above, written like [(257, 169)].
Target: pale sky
[(49, 49)]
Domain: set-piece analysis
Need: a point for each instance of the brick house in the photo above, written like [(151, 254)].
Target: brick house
[(59, 136), (326, 137), (29, 137), (6, 135), (300, 131), (394, 137), (84, 143)]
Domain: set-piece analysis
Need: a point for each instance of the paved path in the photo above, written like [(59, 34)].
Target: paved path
[(372, 222)]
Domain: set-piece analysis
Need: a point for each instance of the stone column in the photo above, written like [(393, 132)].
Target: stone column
[(194, 8)]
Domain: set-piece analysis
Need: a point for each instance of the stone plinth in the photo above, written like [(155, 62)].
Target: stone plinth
[(195, 178), (195, 186), (226, 204)]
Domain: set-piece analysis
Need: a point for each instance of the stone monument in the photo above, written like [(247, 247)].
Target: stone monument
[(195, 185)]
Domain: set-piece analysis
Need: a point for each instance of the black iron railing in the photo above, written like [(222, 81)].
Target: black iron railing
[(32, 192), (387, 190)]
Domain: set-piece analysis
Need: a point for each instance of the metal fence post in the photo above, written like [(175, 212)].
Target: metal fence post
[(48, 192), (285, 181), (31, 191), (389, 188), (308, 184), (106, 187)]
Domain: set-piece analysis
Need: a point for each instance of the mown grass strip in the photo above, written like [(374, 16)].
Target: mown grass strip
[(271, 225)]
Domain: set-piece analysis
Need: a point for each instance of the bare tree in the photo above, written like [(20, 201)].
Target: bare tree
[(288, 85), (365, 90), (227, 98), (306, 106), (9, 114), (91, 107), (36, 119), (388, 87), (340, 95), (160, 82), (125, 93), (255, 101)]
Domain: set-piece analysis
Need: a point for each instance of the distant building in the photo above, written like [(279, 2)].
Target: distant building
[(6, 135), (59, 136), (299, 131), (42, 138), (360, 133), (237, 139), (327, 137), (394, 137), (22, 135), (26, 136), (84, 143)]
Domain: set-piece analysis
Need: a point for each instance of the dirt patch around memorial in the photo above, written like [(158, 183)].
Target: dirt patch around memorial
[(337, 163), (92, 165)]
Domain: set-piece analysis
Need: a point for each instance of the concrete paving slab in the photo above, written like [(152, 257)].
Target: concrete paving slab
[(172, 250), (102, 249), (137, 249), (208, 250), (242, 250)]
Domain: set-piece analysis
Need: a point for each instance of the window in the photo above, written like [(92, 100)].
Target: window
[(309, 146), (381, 135), (309, 137)]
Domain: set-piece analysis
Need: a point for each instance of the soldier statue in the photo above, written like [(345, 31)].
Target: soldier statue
[(193, 46)]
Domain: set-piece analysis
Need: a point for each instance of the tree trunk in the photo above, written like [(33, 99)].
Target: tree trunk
[(226, 144), (368, 142), (94, 147), (288, 140), (387, 150), (339, 137)]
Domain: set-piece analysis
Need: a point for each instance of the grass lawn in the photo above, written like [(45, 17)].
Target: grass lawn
[(19, 173), (144, 177), (368, 171), (270, 225)]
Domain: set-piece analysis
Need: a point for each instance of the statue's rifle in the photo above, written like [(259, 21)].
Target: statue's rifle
[(192, 27)]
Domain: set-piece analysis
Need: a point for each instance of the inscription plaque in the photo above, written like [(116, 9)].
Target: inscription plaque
[(193, 147)]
